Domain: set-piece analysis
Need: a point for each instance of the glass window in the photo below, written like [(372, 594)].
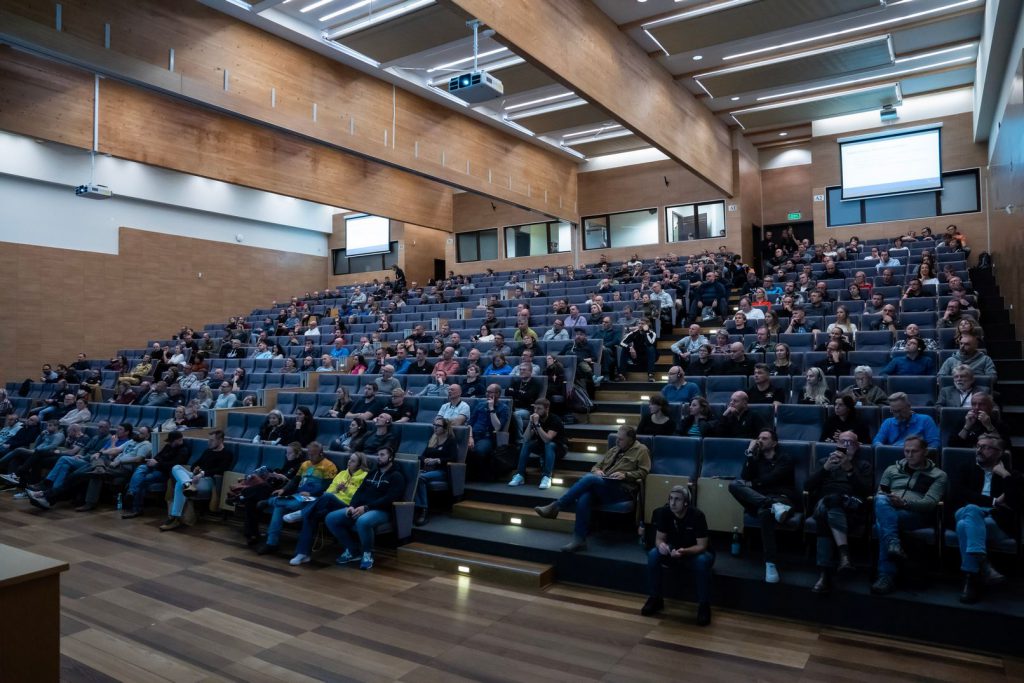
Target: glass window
[(695, 221), (899, 207), (960, 193), (840, 212), (480, 245), (627, 229), (535, 239), (595, 232), (340, 262), (369, 263)]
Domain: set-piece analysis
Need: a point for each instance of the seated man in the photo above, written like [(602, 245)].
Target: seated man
[(681, 543), (737, 420), (905, 421), (57, 484), (710, 299), (118, 469), (981, 420), (437, 387), (913, 363), (689, 345), (678, 390), (456, 411), (969, 355), (738, 363), (487, 419), (544, 435), (761, 390), (310, 481), (387, 382), (368, 406), (197, 481), (371, 505), (616, 478), (523, 392), (31, 471), (610, 337), (987, 500), (907, 496), (556, 332), (841, 485), (155, 471), (383, 435), (766, 489), (13, 463), (964, 387)]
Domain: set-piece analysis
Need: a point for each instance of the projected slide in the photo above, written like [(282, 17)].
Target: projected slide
[(367, 235), (893, 164)]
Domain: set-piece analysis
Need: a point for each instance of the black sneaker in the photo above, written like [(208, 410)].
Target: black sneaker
[(652, 606), (267, 549), (884, 585), (703, 614)]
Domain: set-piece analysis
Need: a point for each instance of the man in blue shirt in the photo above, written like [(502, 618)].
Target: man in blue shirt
[(711, 294), (912, 364), (678, 390), (486, 420), (905, 422)]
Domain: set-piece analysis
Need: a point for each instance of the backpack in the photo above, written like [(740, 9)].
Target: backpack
[(984, 261), (579, 401)]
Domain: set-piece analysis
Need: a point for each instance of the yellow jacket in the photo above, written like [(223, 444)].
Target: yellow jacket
[(344, 485)]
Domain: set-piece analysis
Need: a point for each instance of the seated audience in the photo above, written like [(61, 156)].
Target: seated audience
[(737, 420), (844, 419), (434, 459), (969, 355), (816, 390), (152, 472), (617, 478), (964, 387), (657, 421), (864, 391), (310, 480), (904, 422), (914, 332), (678, 390), (196, 482), (982, 419), (544, 435), (274, 429), (337, 497), (761, 389), (913, 363), (697, 418)]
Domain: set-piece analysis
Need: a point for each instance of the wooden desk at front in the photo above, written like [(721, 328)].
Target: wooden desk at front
[(29, 616)]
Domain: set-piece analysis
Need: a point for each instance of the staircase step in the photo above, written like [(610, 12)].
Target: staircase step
[(478, 565), (616, 419), (588, 445), (522, 497), (617, 395), (582, 462), (496, 513)]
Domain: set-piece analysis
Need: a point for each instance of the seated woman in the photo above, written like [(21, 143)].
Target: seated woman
[(783, 365), (698, 418), (702, 365), (722, 344), (337, 496), (843, 321), (556, 390), (863, 391), (434, 460), (473, 386), (485, 334), (305, 429), (352, 440), (371, 505), (657, 421), (436, 348), (124, 395), (342, 403), (274, 429), (816, 391), (845, 419), (175, 423), (498, 366), (310, 481), (205, 397)]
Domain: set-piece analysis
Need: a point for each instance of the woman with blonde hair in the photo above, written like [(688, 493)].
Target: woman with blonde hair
[(843, 322), (816, 391), (337, 496)]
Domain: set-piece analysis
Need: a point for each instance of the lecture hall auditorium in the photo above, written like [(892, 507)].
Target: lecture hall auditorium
[(511, 340)]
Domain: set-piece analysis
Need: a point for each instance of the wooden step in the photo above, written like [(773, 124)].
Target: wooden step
[(623, 395), (586, 445), (477, 565), (511, 515), (615, 419), (560, 477)]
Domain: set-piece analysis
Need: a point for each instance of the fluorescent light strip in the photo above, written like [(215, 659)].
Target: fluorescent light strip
[(866, 78), (965, 46), (345, 10), (689, 14), (601, 136), (547, 110), (657, 42), (490, 68), (540, 101), (466, 59), (521, 129), (795, 55), (600, 130), (316, 5), (790, 103), (380, 18), (856, 29)]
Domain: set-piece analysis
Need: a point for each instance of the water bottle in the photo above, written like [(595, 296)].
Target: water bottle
[(120, 501), (736, 547), (641, 533)]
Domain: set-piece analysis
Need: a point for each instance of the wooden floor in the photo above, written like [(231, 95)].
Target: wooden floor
[(198, 605)]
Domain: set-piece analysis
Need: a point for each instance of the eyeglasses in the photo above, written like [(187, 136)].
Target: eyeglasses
[(984, 447)]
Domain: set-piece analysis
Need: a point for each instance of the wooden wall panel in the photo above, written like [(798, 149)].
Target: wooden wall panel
[(58, 302), (423, 245), (749, 192), (612, 72), (787, 189), (355, 110), (45, 100)]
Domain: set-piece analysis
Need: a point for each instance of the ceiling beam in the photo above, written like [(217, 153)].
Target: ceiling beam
[(609, 70)]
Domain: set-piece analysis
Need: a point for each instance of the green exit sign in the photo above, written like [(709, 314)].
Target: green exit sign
[(794, 216)]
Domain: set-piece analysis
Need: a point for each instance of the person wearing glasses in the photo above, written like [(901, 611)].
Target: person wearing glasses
[(434, 461), (987, 498), (841, 484)]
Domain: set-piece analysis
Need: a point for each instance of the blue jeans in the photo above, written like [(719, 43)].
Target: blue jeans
[(65, 466), (588, 492), (279, 507), (347, 530), (424, 483), (311, 518), (699, 565), (889, 522), (534, 446), (521, 415), (483, 446), (974, 528), (182, 475), (142, 479)]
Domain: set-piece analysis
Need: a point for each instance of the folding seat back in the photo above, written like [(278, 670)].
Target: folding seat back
[(100, 411), (253, 422), (414, 438), (247, 458), (923, 319), (328, 383), (304, 400), (428, 407), (800, 422), (917, 304), (415, 383), (235, 427), (874, 340), (721, 462), (950, 422), (884, 457), (919, 389), (875, 359), (720, 389), (675, 461), (286, 402)]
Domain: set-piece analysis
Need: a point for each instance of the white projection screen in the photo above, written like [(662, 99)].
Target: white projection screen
[(894, 162), (367, 235)]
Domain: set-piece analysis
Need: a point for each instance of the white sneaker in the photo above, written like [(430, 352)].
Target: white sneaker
[(517, 480), (780, 509), (771, 574), (20, 495), (545, 482), (293, 517), (299, 559)]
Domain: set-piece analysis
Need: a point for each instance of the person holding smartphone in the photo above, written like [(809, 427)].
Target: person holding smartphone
[(841, 484)]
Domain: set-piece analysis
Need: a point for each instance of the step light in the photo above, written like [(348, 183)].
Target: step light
[(592, 449), (463, 569), (557, 481), (515, 521), (620, 420), (645, 397)]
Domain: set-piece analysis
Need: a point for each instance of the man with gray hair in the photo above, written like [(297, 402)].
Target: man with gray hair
[(680, 544), (904, 422), (387, 383)]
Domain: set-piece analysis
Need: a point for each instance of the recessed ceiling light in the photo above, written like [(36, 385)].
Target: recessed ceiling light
[(734, 99), (783, 134), (697, 58), (315, 5), (465, 60), (345, 10)]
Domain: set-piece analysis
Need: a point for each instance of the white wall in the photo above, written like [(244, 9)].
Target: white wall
[(37, 183)]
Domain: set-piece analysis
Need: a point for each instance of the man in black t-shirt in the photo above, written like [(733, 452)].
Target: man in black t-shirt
[(761, 390), (681, 544), (544, 434)]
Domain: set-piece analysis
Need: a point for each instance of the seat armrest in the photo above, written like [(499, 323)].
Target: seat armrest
[(403, 518), (457, 478)]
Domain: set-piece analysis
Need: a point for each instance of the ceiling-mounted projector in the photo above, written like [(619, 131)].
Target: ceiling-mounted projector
[(475, 87), (92, 191)]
